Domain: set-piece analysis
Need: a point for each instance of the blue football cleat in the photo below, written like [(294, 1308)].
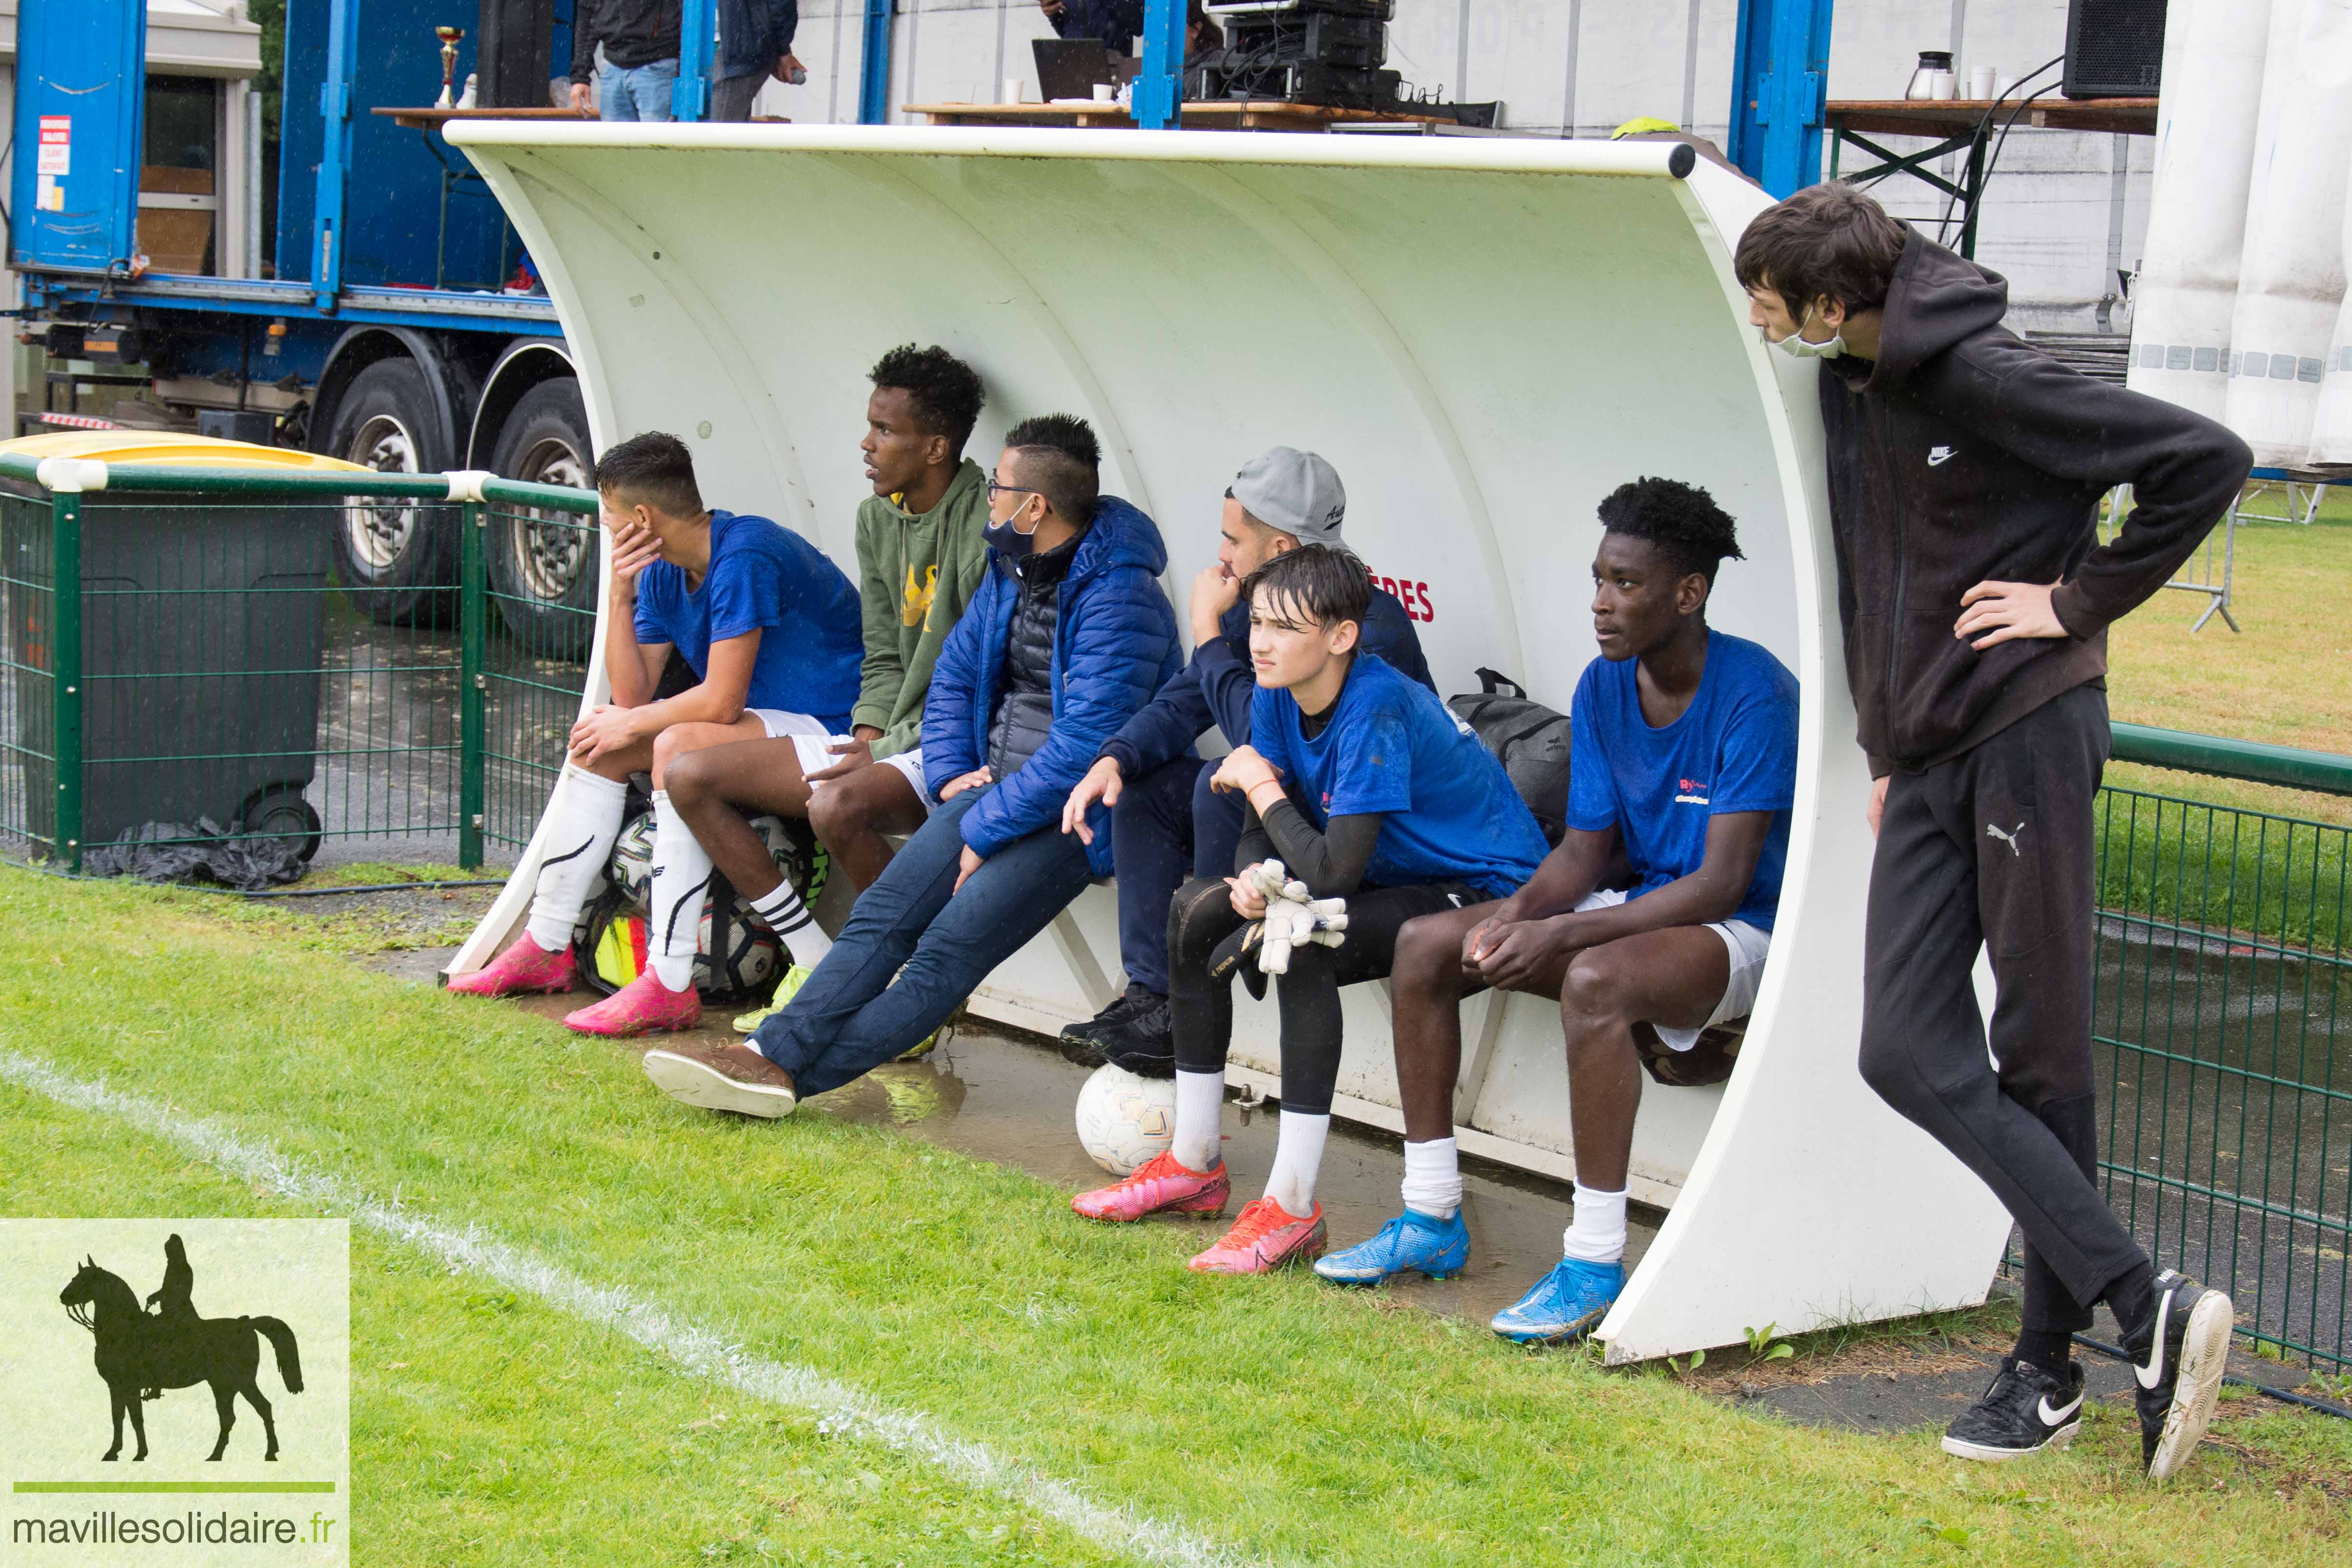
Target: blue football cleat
[(1566, 1304), (1413, 1241)]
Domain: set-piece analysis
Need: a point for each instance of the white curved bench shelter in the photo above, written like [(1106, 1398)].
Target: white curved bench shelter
[(1486, 337)]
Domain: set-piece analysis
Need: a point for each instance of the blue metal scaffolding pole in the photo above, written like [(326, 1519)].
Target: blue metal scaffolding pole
[(1780, 84), (1159, 99), (874, 64), (697, 26)]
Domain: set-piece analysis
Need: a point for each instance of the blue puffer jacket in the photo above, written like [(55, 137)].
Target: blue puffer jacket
[(1114, 646)]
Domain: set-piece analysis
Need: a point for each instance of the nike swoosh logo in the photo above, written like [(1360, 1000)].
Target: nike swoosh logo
[(1938, 459), (2153, 1373), (2057, 1417)]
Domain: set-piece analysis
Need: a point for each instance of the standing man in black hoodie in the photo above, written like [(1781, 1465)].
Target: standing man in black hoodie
[(1965, 475)]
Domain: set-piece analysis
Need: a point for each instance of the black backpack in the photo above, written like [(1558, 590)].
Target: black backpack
[(1531, 738)]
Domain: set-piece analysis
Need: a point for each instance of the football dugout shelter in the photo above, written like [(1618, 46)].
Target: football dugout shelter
[(1486, 337)]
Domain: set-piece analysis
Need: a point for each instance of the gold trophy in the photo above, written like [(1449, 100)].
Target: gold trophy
[(448, 36)]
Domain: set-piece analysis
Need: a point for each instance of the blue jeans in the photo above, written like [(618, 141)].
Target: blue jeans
[(1168, 827), (851, 1016), (635, 92)]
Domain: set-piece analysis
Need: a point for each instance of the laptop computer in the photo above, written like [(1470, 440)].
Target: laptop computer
[(1070, 68)]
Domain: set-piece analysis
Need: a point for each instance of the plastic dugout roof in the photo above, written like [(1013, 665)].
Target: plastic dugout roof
[(1486, 336)]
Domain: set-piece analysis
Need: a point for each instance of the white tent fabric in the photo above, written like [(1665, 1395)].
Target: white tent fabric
[(2186, 290), (1486, 337), (2281, 218), (2291, 282)]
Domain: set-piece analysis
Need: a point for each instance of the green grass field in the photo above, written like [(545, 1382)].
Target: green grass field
[(1131, 1411), (2280, 680)]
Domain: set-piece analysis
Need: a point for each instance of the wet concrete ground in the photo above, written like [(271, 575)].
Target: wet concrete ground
[(1005, 1097)]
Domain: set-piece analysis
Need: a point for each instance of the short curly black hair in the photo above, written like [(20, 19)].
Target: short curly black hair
[(1682, 520), (945, 392)]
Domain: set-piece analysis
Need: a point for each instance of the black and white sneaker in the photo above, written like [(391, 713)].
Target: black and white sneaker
[(2179, 1370), (2023, 1412), (1082, 1043)]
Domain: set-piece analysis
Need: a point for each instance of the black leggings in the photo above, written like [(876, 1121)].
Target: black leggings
[(1202, 916)]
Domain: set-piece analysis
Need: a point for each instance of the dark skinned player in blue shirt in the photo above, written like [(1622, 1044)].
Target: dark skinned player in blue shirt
[(1684, 753)]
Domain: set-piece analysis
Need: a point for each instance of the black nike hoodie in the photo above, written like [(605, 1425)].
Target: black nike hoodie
[(1962, 455)]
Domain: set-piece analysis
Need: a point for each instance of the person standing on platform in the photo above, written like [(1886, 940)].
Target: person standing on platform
[(755, 45), (1113, 21), (1966, 472), (640, 68)]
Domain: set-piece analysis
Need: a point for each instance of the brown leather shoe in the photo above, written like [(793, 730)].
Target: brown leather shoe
[(733, 1076)]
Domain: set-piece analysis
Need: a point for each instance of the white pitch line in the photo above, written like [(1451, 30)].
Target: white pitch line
[(695, 1350)]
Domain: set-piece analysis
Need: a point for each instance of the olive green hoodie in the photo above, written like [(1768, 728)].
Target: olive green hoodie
[(917, 571)]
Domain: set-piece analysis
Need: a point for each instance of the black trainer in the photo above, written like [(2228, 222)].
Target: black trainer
[(2025, 1410), (2176, 1361), (1144, 1042), (1082, 1043)]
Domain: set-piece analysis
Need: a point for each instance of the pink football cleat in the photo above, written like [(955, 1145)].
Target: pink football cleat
[(642, 1006), (524, 969), (1159, 1185), (1264, 1238)]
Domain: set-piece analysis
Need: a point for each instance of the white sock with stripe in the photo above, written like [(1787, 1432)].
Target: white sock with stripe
[(1200, 1107), (1297, 1156), (1432, 1178), (782, 912), (681, 882), (1598, 1234), (582, 825)]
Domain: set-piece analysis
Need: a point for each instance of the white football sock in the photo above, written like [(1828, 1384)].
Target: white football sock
[(782, 912), (1597, 1235), (1432, 1178), (681, 881), (1200, 1107), (1297, 1156), (586, 819)]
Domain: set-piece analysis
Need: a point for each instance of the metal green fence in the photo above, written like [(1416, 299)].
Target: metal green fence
[(178, 645), (181, 661), (2223, 1016)]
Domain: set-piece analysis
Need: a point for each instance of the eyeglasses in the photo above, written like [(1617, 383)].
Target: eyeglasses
[(994, 489)]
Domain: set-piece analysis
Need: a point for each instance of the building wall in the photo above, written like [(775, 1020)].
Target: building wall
[(2065, 209)]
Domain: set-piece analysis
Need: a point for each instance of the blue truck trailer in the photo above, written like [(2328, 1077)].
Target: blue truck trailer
[(398, 324)]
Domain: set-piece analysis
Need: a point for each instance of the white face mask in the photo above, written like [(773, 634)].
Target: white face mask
[(1795, 346)]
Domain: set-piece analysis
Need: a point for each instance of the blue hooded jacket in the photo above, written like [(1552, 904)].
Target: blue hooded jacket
[(1114, 646)]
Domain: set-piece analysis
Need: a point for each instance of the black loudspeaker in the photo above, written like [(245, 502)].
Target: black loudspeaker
[(2114, 49), (514, 54)]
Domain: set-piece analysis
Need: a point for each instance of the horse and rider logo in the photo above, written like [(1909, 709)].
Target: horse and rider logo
[(144, 1350)]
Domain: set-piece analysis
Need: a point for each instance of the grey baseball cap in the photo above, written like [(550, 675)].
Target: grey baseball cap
[(1294, 491)]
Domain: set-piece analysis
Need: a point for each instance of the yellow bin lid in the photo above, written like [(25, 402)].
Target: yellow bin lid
[(171, 446)]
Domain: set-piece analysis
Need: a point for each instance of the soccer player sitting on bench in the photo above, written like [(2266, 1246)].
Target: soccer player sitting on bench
[(1364, 787), (770, 627), (1068, 634), (920, 556), (1165, 819), (1683, 748)]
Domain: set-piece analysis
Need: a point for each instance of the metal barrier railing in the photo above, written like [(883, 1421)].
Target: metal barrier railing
[(2222, 1000), (180, 644), (140, 647)]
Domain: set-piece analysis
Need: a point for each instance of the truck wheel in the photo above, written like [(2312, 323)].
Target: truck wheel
[(398, 560), (542, 564)]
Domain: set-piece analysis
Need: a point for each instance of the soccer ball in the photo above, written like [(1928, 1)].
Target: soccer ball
[(632, 866), (742, 965), (1124, 1119)]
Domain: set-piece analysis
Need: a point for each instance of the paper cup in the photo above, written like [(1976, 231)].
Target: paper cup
[(1981, 83), (1105, 92), (1015, 91)]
